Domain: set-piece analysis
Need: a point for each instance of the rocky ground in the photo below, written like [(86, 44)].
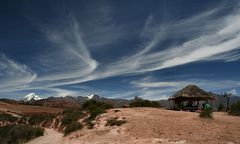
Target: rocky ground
[(152, 126)]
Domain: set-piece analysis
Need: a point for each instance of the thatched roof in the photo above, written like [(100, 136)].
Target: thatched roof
[(192, 92)]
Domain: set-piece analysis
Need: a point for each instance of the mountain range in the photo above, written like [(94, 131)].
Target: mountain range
[(77, 101), (69, 101)]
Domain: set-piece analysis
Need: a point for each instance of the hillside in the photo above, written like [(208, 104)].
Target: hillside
[(151, 125), (77, 101), (27, 109)]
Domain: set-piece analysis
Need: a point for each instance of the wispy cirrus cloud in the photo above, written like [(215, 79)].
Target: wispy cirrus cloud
[(14, 75), (222, 36), (70, 59), (155, 88), (219, 36)]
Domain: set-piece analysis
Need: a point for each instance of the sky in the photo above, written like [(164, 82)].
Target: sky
[(118, 49)]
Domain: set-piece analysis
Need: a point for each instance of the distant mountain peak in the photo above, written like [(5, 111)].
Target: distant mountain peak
[(31, 96), (92, 96)]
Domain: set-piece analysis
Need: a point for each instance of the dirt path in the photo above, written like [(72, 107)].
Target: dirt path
[(50, 137)]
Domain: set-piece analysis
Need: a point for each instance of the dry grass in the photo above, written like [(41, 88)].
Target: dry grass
[(27, 109)]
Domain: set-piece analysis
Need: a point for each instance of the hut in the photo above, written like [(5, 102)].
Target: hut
[(190, 97)]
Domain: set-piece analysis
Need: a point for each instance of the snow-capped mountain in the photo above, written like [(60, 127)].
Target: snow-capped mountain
[(31, 96), (92, 96)]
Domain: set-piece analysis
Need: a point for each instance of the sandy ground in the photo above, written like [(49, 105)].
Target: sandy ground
[(154, 126), (50, 137)]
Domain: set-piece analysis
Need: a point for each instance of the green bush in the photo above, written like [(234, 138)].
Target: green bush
[(139, 102), (38, 119), (235, 109), (17, 134), (95, 108), (114, 121), (71, 115), (94, 113), (207, 113), (93, 104), (221, 107), (72, 127), (7, 117)]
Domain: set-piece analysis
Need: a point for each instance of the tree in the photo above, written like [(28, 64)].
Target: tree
[(227, 96)]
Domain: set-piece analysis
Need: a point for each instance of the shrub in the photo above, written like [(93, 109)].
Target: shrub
[(207, 113), (71, 115), (139, 102), (17, 134), (7, 117), (89, 124), (95, 108), (93, 104), (94, 113), (114, 121), (221, 107), (72, 127), (38, 119), (235, 109)]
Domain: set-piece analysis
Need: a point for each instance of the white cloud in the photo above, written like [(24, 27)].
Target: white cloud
[(216, 38), (223, 35), (150, 82), (153, 88), (70, 61), (120, 94), (14, 75), (59, 92), (71, 58)]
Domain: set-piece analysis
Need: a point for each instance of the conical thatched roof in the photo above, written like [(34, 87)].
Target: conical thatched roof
[(192, 92)]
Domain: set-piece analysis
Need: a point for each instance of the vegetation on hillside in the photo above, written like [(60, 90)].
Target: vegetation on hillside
[(7, 117), (38, 119), (71, 115), (93, 104), (69, 118), (139, 102), (91, 108), (95, 108), (18, 134), (235, 109)]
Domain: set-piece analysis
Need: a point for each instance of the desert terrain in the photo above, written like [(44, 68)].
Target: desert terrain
[(152, 126)]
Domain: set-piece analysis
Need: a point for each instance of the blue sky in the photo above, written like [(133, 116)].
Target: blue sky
[(118, 49)]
